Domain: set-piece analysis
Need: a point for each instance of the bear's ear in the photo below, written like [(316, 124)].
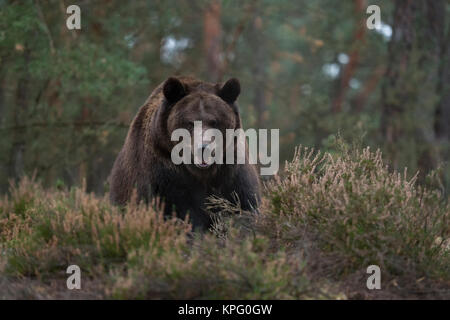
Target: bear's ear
[(173, 90), (230, 90)]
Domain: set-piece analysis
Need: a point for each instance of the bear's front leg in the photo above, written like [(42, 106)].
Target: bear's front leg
[(182, 196), (247, 187)]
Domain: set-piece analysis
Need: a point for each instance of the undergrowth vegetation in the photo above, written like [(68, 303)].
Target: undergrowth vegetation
[(322, 222)]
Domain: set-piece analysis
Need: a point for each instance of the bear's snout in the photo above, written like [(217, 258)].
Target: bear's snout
[(204, 155)]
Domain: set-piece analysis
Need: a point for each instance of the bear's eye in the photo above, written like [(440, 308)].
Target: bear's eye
[(190, 124)]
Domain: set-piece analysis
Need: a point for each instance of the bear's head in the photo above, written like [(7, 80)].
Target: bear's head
[(199, 107)]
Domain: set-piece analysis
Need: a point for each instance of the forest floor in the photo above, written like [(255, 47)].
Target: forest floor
[(322, 222)]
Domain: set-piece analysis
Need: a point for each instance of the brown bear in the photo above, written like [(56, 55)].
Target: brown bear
[(145, 161)]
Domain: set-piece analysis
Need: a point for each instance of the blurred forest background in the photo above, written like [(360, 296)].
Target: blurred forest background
[(310, 68)]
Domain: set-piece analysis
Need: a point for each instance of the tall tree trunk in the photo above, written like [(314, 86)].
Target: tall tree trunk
[(2, 91), (350, 67), (212, 32), (18, 147), (441, 28), (442, 114), (394, 98), (259, 71), (410, 84)]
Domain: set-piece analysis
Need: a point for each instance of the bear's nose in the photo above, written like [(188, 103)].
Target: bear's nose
[(204, 146)]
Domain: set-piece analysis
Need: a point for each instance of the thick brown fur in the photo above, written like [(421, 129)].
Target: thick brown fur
[(145, 161)]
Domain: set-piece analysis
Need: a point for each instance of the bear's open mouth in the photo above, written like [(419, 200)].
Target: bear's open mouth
[(203, 165)]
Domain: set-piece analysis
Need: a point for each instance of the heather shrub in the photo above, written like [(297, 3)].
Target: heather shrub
[(357, 212), (44, 231)]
